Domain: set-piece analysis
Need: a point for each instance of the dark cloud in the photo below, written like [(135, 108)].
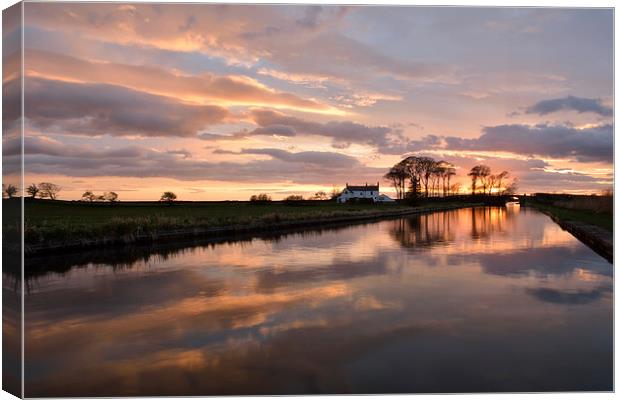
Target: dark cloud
[(212, 136), (44, 155), (324, 158), (342, 133), (96, 109), (570, 103), (593, 144), (572, 297)]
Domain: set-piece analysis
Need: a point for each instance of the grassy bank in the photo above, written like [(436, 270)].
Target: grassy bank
[(57, 224), (589, 219), (597, 211)]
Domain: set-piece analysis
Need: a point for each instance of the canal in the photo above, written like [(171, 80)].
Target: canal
[(470, 300)]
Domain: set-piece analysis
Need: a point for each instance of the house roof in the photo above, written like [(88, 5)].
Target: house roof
[(363, 188)]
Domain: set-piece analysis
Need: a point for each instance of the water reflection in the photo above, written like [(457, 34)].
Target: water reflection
[(489, 299)]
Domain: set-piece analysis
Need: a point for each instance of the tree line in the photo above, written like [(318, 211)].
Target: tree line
[(107, 196), (320, 195), (416, 176), (44, 190), (48, 190)]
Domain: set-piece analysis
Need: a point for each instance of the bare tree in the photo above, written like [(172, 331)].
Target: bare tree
[(320, 195), (450, 172), (397, 175), (442, 170), (9, 190), (415, 168), (500, 177), (455, 188), (32, 190), (491, 181), (485, 172), (427, 169), (479, 173), (512, 188), (334, 194), (473, 174), (47, 189), (168, 197)]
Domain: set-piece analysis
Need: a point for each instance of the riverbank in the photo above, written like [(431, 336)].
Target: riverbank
[(593, 229), (58, 226)]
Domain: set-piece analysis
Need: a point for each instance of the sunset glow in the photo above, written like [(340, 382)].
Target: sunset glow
[(218, 102)]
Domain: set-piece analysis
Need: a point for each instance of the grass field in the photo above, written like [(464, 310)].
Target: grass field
[(61, 220), (576, 211)]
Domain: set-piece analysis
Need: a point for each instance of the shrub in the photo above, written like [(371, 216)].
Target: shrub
[(260, 199)]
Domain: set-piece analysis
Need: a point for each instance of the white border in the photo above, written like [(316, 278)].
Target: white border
[(478, 3)]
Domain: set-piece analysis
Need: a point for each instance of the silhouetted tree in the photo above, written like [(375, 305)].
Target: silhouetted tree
[(455, 188), (485, 172), (512, 188), (89, 196), (491, 181), (500, 178), (47, 189), (320, 195), (294, 197), (426, 166), (397, 175), (168, 197), (479, 173), (450, 172), (9, 190), (110, 196), (421, 172), (263, 198), (335, 193), (32, 190), (414, 168)]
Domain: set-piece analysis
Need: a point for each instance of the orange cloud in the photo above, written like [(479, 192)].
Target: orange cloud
[(202, 89)]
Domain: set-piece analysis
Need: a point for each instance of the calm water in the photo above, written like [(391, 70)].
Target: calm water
[(487, 299)]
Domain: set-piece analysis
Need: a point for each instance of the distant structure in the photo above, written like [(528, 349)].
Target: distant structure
[(357, 193)]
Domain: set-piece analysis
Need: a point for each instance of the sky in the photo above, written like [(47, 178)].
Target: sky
[(217, 102)]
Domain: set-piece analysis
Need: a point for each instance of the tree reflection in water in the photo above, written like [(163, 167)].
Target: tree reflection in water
[(426, 230), (437, 229)]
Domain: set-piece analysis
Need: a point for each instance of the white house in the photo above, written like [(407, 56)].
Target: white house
[(363, 192)]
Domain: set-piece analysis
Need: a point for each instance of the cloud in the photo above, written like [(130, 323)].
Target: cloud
[(573, 297), (181, 152), (97, 109), (570, 103), (592, 144), (333, 54), (364, 99), (272, 34), (48, 156), (342, 133), (323, 158), (203, 88)]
